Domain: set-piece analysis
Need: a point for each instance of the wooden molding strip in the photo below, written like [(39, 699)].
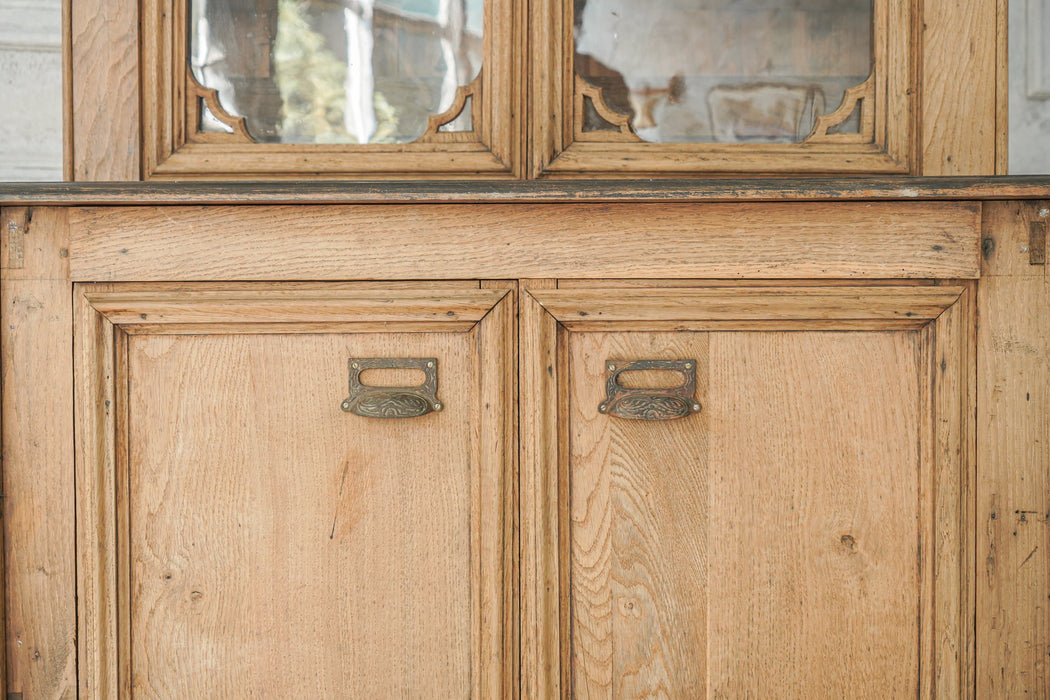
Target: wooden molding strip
[(669, 305), (878, 240), (529, 191), (137, 306)]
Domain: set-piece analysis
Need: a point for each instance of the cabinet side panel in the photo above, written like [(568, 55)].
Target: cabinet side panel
[(1013, 498), (38, 508)]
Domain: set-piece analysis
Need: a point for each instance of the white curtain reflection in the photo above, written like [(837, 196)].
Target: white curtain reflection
[(360, 114)]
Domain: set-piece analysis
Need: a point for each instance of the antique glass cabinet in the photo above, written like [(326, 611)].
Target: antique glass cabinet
[(496, 349)]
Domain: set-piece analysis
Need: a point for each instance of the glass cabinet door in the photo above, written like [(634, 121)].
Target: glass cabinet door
[(366, 87), (726, 85)]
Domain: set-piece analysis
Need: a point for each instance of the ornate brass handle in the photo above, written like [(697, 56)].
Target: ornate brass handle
[(650, 403), (392, 401)]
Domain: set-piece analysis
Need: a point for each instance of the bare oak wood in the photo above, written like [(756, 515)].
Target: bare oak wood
[(104, 81), (541, 561), (38, 562), (1013, 505), (869, 240), (958, 87), (902, 535), (201, 535)]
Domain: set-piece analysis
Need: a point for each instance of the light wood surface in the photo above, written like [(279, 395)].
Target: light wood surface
[(870, 591), (958, 87), (203, 548), (38, 563), (735, 553), (683, 307), (541, 561), (1013, 498), (869, 240), (104, 75)]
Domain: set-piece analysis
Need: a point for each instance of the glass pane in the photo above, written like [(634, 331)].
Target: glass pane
[(724, 70), (335, 71), (1029, 87)]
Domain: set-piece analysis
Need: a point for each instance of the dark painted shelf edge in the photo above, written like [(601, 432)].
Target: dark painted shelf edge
[(901, 188)]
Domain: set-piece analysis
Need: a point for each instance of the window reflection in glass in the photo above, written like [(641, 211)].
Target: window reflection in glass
[(336, 71), (723, 70)]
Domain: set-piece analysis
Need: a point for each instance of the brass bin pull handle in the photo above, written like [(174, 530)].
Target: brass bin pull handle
[(656, 403), (392, 401)]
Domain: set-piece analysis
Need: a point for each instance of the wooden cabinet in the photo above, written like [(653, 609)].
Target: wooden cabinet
[(213, 521), (675, 438)]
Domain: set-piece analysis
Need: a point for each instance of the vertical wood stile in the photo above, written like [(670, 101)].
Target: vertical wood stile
[(39, 576), (95, 418), (1013, 438), (497, 345), (540, 561), (104, 77), (957, 87)]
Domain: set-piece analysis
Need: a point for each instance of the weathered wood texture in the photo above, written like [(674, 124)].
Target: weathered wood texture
[(212, 540), (1013, 499), (710, 556), (546, 191), (865, 240), (38, 508), (957, 87), (104, 79), (541, 560)]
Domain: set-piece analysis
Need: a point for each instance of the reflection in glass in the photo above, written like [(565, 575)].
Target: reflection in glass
[(1029, 108), (724, 70), (335, 71)]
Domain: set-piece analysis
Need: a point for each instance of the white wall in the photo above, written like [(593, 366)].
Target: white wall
[(30, 90), (1029, 87)]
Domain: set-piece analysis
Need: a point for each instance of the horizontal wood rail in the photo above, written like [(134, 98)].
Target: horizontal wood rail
[(533, 191)]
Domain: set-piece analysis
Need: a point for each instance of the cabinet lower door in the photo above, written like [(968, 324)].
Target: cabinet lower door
[(761, 492), (294, 491)]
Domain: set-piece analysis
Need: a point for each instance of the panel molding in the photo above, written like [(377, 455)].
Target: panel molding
[(946, 452), (106, 315)]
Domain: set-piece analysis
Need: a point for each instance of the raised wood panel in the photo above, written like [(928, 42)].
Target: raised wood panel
[(223, 559), (868, 240), (804, 535)]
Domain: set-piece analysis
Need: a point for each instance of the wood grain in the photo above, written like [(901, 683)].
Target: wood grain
[(814, 476), (105, 89), (38, 562), (639, 528), (219, 562), (869, 240), (541, 561), (677, 305), (274, 306), (298, 563), (1013, 505), (958, 88)]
